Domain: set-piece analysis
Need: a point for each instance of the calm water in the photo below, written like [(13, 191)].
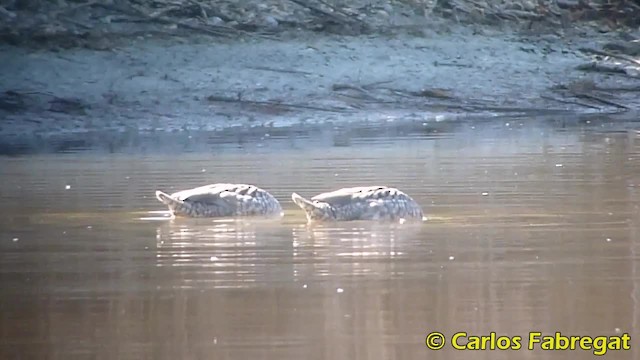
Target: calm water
[(532, 227)]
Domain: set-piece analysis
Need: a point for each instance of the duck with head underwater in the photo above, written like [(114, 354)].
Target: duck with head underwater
[(360, 203), (222, 200)]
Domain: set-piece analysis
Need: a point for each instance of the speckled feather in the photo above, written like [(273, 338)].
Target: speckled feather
[(360, 203), (222, 200)]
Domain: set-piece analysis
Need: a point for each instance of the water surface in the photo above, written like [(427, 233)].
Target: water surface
[(532, 227)]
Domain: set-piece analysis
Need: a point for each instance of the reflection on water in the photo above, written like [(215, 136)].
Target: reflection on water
[(531, 228)]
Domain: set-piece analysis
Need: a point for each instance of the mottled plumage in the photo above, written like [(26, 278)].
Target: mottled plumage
[(360, 203), (222, 200)]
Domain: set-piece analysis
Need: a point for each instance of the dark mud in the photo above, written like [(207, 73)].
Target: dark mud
[(438, 72)]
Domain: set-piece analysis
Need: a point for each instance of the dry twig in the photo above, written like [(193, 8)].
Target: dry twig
[(216, 98), (610, 54), (265, 68), (569, 102)]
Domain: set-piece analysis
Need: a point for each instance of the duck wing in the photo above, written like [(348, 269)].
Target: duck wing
[(347, 196), (226, 195)]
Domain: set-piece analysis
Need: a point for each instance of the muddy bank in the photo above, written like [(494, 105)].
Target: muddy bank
[(429, 73)]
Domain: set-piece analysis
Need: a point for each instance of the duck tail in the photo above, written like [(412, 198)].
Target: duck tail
[(176, 206), (166, 198), (303, 203)]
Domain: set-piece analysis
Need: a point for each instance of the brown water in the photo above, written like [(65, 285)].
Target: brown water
[(531, 228)]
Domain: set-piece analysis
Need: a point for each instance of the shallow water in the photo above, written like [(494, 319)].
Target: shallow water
[(532, 227)]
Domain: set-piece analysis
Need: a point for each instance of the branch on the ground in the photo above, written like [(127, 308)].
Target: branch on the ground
[(16, 101), (546, 97), (433, 93), (362, 92), (288, 71), (605, 68), (601, 100), (587, 89), (610, 54), (620, 88), (239, 100)]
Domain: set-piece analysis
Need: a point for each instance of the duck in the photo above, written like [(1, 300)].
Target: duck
[(360, 203), (222, 200)]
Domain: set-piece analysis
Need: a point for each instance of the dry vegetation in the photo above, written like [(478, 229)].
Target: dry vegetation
[(92, 23)]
